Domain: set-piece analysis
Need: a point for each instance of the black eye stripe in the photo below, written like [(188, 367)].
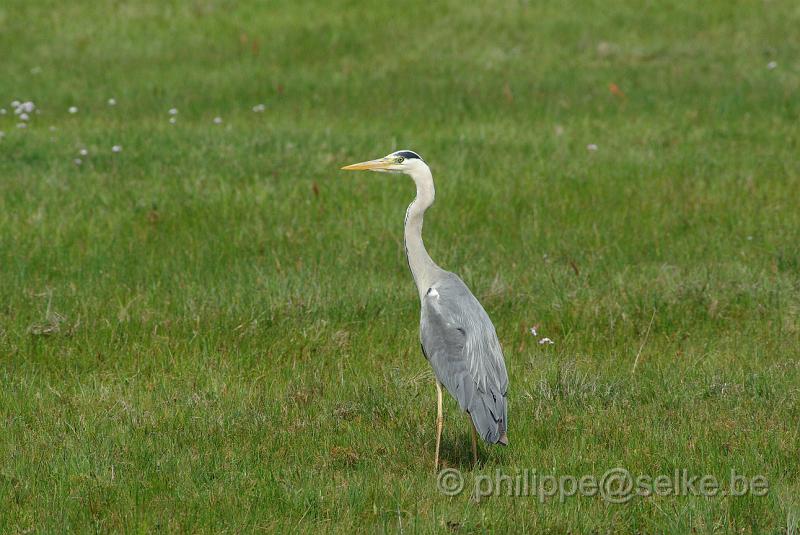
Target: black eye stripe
[(407, 154)]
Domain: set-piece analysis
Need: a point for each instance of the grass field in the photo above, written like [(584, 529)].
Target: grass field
[(214, 329)]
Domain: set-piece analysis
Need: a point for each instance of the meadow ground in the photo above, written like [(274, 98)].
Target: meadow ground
[(214, 329)]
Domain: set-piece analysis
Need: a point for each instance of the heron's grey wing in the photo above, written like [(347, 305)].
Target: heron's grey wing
[(460, 342)]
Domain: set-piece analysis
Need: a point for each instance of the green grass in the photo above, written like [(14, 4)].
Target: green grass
[(215, 329)]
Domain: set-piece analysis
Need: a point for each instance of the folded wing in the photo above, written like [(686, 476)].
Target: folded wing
[(461, 344)]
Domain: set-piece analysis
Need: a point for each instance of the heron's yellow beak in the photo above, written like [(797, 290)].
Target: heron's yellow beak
[(380, 163)]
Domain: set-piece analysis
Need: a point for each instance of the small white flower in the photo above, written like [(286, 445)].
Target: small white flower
[(73, 109), (77, 161), (15, 103), (53, 129), (258, 108), (533, 331), (591, 147), (547, 341), (173, 111), (83, 152), (22, 125), (112, 102), (116, 148), (28, 107), (749, 238), (2, 134), (772, 64), (217, 120), (2, 111), (173, 120), (23, 117), (36, 70)]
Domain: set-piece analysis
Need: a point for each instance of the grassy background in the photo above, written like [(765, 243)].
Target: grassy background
[(215, 329)]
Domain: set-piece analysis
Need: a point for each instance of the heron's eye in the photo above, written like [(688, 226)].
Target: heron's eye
[(399, 159)]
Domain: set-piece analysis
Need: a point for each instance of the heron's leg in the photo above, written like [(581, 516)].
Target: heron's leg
[(439, 423), (474, 440)]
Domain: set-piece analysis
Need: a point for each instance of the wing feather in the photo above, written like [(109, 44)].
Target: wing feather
[(461, 344)]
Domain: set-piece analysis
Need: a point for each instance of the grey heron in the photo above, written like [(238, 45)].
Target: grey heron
[(456, 334)]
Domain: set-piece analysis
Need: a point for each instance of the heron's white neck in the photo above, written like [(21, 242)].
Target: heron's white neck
[(422, 267)]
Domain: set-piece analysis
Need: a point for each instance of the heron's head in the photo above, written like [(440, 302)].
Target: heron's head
[(401, 161)]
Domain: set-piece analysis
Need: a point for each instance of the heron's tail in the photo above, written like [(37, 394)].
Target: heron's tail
[(489, 413)]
